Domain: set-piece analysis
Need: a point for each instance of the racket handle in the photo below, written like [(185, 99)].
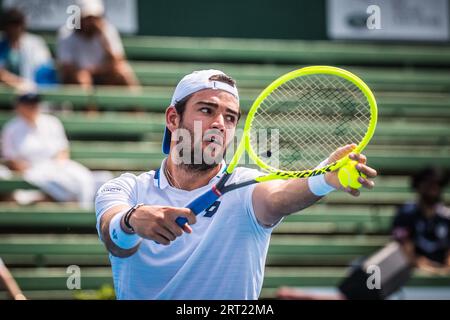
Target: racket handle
[(198, 205)]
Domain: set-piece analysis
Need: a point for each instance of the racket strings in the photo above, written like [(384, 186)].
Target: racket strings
[(313, 116)]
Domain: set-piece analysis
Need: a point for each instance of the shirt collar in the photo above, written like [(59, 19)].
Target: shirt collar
[(160, 180)]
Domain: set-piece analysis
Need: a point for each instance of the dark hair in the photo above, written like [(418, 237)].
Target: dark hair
[(223, 78), (180, 106), (430, 173), (12, 16), (28, 98)]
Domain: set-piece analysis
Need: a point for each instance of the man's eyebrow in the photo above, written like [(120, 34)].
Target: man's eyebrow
[(233, 112), (216, 105)]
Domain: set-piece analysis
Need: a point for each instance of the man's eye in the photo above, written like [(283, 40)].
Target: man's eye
[(231, 118), (205, 110)]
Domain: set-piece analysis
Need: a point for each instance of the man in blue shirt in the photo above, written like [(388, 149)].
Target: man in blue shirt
[(25, 60)]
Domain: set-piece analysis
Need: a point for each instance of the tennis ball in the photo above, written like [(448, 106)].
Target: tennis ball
[(348, 175)]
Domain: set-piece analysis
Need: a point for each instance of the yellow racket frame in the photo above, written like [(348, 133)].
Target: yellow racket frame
[(274, 173)]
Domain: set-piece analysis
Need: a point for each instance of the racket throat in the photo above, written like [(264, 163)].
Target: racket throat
[(216, 191)]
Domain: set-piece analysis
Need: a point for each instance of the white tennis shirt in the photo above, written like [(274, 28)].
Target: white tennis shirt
[(86, 53), (223, 258)]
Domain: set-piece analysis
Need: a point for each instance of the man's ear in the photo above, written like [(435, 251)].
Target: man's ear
[(172, 118)]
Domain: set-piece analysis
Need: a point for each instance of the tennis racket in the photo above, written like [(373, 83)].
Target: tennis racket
[(312, 111)]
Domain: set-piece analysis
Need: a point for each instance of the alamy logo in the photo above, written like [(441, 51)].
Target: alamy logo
[(374, 279), (74, 279), (374, 20), (74, 19)]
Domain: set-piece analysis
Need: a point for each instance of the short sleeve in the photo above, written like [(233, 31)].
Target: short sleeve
[(114, 40), (62, 143), (246, 194), (118, 191)]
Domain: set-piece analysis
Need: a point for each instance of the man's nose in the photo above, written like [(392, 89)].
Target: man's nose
[(219, 123)]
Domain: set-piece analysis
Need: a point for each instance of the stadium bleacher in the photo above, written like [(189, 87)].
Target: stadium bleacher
[(309, 249)]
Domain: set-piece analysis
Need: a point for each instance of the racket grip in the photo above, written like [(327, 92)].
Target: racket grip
[(198, 205)]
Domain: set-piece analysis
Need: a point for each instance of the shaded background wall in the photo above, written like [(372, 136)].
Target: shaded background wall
[(287, 19), (410, 20)]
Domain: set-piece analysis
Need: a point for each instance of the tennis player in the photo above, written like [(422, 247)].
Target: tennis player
[(219, 254)]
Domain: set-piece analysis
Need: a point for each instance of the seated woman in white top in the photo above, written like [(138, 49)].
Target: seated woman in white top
[(35, 145)]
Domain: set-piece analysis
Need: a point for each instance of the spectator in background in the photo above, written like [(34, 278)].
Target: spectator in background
[(423, 227), (25, 60), (35, 145), (94, 53)]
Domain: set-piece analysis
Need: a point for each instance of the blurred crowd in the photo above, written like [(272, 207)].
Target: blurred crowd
[(34, 143), (89, 55)]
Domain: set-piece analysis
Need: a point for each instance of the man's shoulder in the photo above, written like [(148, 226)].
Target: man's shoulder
[(110, 28), (443, 212), (33, 41), (13, 124), (65, 33), (49, 118), (243, 173), (408, 209), (132, 180)]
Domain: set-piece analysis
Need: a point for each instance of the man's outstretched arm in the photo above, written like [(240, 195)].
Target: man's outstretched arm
[(276, 199)]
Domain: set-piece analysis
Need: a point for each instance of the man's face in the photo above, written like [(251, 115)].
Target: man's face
[(89, 25), (216, 113), (14, 31), (28, 110), (430, 191)]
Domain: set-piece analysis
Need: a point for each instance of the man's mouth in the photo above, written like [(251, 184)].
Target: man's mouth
[(218, 140)]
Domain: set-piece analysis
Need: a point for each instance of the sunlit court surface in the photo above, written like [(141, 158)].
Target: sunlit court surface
[(251, 153)]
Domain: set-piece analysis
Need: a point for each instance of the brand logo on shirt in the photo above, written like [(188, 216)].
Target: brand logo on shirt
[(111, 189), (212, 209)]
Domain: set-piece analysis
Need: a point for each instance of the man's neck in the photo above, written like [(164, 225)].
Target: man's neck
[(184, 179)]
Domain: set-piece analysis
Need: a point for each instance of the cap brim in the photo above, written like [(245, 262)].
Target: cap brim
[(166, 141), (28, 99)]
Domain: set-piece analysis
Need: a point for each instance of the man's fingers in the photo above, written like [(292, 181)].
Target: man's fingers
[(369, 184), (358, 157), (342, 152), (353, 192), (160, 239), (182, 212), (175, 229), (188, 214), (187, 228), (368, 171), (164, 232)]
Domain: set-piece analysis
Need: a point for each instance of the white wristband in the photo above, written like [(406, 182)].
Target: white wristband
[(118, 236), (319, 186)]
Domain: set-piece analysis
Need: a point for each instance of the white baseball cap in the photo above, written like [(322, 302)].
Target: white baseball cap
[(91, 8), (191, 83)]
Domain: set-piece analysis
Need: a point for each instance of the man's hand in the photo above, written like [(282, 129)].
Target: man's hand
[(332, 177), (158, 223)]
